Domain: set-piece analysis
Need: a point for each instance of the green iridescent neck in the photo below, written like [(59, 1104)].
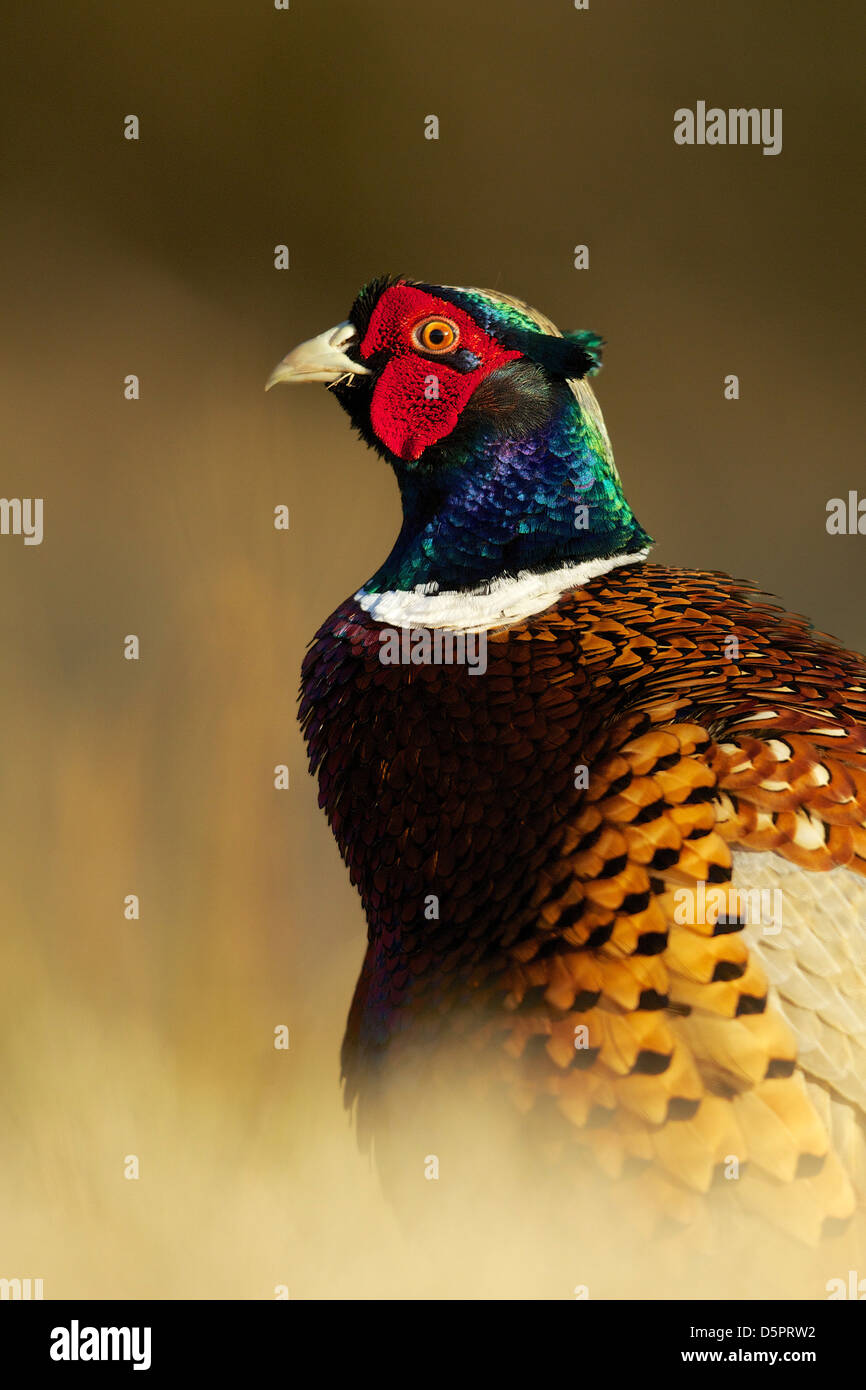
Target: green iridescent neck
[(491, 508)]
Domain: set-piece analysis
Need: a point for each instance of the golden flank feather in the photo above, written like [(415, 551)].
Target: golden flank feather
[(742, 863)]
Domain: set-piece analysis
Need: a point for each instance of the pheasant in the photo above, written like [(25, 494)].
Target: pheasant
[(565, 854)]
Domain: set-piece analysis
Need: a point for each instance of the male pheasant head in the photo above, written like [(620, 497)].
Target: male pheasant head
[(483, 409)]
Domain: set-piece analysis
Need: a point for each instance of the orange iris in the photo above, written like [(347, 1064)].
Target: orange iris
[(436, 335)]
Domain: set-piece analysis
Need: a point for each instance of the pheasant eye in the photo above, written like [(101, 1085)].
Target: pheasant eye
[(436, 335)]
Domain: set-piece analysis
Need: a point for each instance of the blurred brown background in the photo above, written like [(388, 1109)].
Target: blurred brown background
[(156, 257)]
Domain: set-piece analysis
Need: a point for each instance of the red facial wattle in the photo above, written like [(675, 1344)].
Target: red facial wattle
[(418, 398)]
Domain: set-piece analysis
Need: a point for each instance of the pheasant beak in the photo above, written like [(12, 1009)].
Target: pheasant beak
[(320, 359)]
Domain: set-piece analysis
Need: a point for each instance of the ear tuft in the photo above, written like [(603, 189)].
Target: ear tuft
[(589, 345), (575, 354)]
